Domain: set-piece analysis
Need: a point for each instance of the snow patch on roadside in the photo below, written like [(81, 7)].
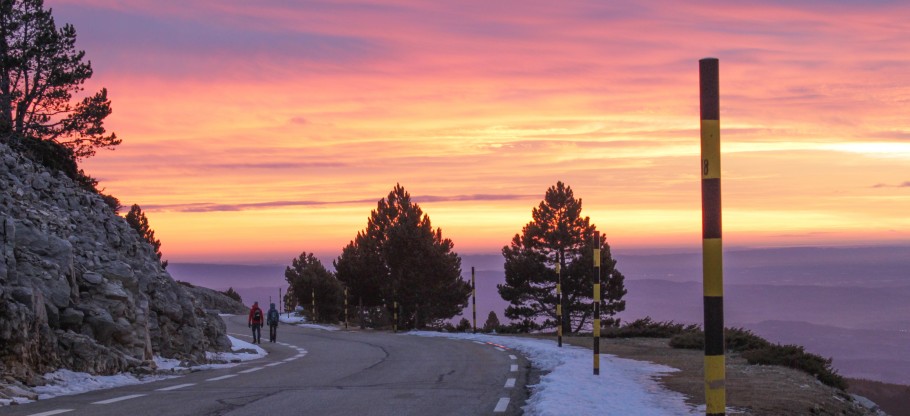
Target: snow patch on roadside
[(293, 319), (64, 382), (242, 351), (316, 326), (624, 387)]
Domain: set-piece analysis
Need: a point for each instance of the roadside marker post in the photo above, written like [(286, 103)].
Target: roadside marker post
[(345, 308), (596, 328), (712, 247), (474, 299), (558, 305), (395, 316), (313, 293)]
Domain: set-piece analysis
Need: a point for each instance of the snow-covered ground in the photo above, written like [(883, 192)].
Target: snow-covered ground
[(301, 322), (65, 382), (292, 319), (624, 387)]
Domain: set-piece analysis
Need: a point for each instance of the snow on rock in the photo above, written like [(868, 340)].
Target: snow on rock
[(624, 387), (242, 351)]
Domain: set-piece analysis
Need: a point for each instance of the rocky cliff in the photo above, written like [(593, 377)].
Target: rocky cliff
[(214, 300), (79, 289)]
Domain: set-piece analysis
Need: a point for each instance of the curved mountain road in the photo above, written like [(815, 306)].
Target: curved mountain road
[(316, 372)]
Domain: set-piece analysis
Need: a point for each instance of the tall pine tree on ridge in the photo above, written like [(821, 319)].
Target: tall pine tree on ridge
[(558, 234)]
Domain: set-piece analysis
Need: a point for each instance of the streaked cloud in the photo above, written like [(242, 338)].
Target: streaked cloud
[(214, 207), (237, 115)]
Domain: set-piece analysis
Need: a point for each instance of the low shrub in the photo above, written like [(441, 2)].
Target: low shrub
[(757, 350), (647, 328), (795, 356), (741, 339), (690, 340)]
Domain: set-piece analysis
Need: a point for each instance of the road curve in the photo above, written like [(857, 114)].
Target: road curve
[(340, 373)]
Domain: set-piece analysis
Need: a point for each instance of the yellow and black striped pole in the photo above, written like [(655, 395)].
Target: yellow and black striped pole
[(474, 299), (345, 308), (314, 303), (712, 253), (558, 305), (597, 303), (395, 316)]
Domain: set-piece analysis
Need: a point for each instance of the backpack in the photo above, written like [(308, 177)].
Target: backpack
[(257, 316), (273, 317)]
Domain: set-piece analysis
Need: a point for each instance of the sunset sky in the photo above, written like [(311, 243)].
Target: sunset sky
[(254, 130)]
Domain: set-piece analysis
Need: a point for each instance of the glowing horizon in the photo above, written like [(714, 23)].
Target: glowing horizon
[(257, 131)]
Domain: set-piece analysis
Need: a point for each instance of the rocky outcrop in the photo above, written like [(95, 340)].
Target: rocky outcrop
[(79, 289), (213, 300)]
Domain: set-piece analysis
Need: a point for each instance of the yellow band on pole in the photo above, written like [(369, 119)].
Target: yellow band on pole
[(715, 389), (597, 292), (596, 257), (712, 266)]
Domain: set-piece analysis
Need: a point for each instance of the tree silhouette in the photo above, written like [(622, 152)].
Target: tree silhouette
[(400, 257), (231, 293), (137, 220), (492, 323), (305, 276), (40, 72), (558, 234)]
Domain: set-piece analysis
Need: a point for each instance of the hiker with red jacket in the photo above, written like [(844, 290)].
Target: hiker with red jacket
[(255, 321)]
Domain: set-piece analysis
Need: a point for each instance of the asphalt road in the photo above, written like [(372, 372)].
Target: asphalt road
[(340, 373)]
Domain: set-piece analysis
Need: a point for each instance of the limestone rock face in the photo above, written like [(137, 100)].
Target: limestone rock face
[(79, 289), (215, 301)]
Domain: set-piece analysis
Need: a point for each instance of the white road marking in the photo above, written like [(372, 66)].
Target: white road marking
[(299, 355), (512, 357), (250, 370), (289, 359), (510, 383), (481, 343), (514, 368), (274, 364), (119, 399), (222, 377), (179, 386), (52, 412), (500, 349), (502, 405)]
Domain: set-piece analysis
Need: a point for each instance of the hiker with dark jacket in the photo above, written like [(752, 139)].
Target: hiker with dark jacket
[(272, 321), (255, 321)]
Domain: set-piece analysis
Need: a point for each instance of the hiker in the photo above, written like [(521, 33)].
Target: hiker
[(255, 321), (272, 320)]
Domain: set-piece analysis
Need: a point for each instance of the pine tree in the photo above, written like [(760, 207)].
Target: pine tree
[(40, 73), (400, 257), (305, 276), (136, 219), (231, 293), (492, 323), (464, 325), (558, 234)]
